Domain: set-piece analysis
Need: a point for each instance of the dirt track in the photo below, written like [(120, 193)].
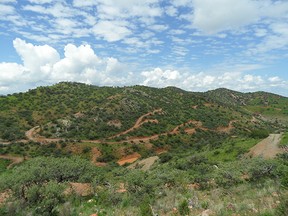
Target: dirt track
[(267, 148), (33, 135), (139, 122), (15, 160)]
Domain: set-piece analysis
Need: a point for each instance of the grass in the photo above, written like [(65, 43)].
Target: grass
[(231, 149), (284, 140), (3, 164)]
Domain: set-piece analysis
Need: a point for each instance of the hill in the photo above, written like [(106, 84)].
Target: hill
[(79, 111), (192, 153)]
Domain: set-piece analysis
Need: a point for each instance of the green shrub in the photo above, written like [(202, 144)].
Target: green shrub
[(183, 208), (259, 134)]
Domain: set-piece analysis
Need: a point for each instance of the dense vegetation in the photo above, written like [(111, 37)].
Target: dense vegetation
[(203, 139)]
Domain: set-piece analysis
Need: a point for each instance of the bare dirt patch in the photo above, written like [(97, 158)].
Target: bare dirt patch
[(267, 148), (145, 164), (4, 196), (95, 154), (79, 115), (129, 159), (161, 151), (226, 129), (81, 189), (115, 123)]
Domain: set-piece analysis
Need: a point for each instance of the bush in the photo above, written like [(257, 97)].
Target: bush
[(261, 134), (165, 157), (183, 208), (282, 208)]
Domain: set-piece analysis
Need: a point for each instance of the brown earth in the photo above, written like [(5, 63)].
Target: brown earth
[(95, 153), (226, 129), (33, 135), (81, 189), (267, 148), (161, 151), (4, 196), (129, 158)]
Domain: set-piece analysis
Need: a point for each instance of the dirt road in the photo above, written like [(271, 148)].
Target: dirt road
[(14, 159), (32, 135), (139, 122), (267, 148)]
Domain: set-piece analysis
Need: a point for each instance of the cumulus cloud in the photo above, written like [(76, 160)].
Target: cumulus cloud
[(43, 65), (201, 81), (35, 57), (161, 78)]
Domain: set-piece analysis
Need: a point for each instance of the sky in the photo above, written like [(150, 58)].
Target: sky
[(196, 45)]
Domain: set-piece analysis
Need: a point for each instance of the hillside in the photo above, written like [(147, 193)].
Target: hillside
[(191, 153), (79, 111), (271, 106)]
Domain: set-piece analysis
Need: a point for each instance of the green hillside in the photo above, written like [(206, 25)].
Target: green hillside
[(66, 149), (79, 111), (271, 106)]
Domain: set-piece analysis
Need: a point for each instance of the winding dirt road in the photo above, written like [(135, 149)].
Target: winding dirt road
[(267, 148), (33, 135), (139, 122)]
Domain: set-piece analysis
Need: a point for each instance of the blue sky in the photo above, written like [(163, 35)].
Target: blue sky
[(196, 45)]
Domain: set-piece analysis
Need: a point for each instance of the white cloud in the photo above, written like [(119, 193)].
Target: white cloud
[(274, 79), (213, 16), (161, 78), (129, 8), (171, 11), (158, 27), (111, 30), (6, 10), (237, 80), (40, 1), (34, 57), (10, 72), (260, 32), (43, 65), (177, 31), (7, 1), (182, 3)]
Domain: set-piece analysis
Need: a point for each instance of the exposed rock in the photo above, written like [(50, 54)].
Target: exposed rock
[(115, 123), (207, 212)]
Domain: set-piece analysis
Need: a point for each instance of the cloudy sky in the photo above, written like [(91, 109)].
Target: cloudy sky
[(196, 45)]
